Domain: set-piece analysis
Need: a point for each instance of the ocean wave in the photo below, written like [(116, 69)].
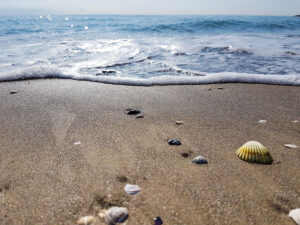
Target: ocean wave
[(45, 72), (124, 63), (211, 25)]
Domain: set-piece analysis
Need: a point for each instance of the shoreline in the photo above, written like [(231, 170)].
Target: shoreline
[(53, 72), (46, 179)]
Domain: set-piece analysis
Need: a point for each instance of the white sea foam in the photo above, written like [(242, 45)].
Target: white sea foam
[(226, 77)]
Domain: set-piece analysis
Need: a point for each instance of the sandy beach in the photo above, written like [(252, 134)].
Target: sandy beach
[(46, 179)]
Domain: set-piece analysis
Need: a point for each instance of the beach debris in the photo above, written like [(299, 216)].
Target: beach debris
[(290, 53), (122, 178), (185, 154), (132, 189), (262, 121), (199, 160), (133, 112), (290, 146), (106, 72), (139, 117), (86, 220), (77, 143), (296, 121), (179, 122), (179, 53), (254, 152), (295, 215), (158, 221), (102, 213), (116, 215), (219, 88), (175, 141), (13, 92)]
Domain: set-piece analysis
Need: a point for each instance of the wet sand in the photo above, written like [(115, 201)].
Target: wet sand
[(46, 179)]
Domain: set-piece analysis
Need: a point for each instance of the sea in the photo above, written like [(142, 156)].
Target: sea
[(151, 50)]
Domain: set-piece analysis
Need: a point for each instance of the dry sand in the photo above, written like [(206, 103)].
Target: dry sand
[(46, 179)]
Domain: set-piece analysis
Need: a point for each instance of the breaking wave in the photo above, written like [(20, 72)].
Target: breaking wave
[(46, 72)]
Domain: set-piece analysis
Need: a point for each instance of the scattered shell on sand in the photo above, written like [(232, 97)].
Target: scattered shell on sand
[(158, 221), (179, 122), (102, 213), (133, 112), (262, 121), (175, 141), (290, 146), (295, 215), (116, 215), (254, 152), (77, 143), (132, 189), (296, 121), (199, 160), (87, 220)]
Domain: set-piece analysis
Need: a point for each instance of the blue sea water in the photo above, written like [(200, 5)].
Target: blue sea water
[(149, 50)]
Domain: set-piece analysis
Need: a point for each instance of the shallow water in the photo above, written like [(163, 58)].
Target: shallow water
[(147, 50)]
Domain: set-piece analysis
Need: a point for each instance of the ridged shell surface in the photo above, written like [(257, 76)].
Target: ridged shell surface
[(254, 152), (116, 215)]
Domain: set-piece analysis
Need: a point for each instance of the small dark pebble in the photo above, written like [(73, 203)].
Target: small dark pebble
[(139, 117), (220, 88), (209, 89), (133, 112), (185, 155), (174, 142), (158, 221), (13, 92), (0, 189), (122, 179)]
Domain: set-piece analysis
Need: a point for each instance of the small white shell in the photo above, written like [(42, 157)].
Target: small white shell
[(86, 220), (290, 146), (132, 189), (102, 213), (199, 160), (295, 214), (296, 121), (77, 143), (116, 215), (262, 121), (179, 122)]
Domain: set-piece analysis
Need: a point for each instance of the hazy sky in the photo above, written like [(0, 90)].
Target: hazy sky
[(241, 7)]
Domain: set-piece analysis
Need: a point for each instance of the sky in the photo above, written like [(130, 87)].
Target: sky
[(200, 7)]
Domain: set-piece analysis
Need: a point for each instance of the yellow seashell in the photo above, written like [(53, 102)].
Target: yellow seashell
[(254, 152)]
